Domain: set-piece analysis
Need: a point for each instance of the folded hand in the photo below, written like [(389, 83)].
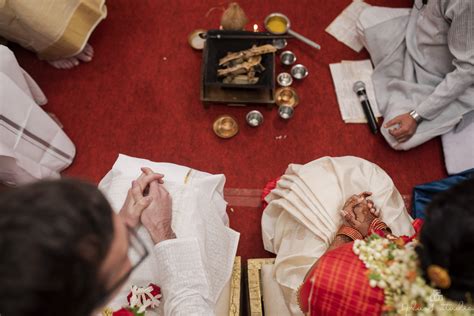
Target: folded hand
[(137, 200)]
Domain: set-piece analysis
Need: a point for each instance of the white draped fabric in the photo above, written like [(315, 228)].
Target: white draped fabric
[(303, 214), (192, 269), (32, 144)]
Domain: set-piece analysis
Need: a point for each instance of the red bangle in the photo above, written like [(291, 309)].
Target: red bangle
[(375, 225), (350, 232)]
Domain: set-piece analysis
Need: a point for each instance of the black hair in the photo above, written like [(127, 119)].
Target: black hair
[(447, 239), (54, 235)]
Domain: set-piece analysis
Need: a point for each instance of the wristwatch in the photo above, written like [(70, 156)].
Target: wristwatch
[(417, 117)]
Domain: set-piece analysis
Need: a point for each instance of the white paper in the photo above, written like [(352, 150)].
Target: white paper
[(344, 29), (344, 75), (199, 211)]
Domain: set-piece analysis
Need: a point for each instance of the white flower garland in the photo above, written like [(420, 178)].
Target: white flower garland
[(141, 297), (395, 270)]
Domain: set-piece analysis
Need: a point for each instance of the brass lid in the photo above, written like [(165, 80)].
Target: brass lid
[(225, 126), (195, 40), (287, 97)]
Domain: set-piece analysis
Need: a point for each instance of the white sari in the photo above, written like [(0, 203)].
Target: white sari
[(303, 214)]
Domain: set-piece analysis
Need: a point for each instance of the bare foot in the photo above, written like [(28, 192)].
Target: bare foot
[(86, 54), (71, 62)]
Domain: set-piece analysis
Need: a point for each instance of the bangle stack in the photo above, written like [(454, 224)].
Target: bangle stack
[(350, 232), (375, 225)]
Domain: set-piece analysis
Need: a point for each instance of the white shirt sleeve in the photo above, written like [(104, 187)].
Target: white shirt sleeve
[(181, 277), (461, 46)]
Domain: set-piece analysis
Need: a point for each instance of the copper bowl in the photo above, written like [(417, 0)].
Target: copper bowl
[(286, 97), (225, 126)]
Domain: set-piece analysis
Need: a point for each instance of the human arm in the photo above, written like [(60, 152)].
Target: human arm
[(461, 46), (180, 275), (179, 271), (455, 83)]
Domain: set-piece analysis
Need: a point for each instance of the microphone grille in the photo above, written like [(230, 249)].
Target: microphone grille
[(358, 85)]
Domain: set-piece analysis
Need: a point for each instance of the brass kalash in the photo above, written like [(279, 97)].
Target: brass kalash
[(238, 68)]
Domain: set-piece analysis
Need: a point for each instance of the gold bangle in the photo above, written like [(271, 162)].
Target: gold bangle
[(350, 232)]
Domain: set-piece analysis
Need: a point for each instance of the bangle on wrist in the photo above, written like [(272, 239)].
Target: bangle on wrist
[(417, 117), (375, 225), (350, 232)]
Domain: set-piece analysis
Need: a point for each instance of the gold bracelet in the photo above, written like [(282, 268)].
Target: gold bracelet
[(350, 232)]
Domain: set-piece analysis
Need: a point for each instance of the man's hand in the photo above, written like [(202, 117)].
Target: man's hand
[(157, 215), (406, 127), (136, 200)]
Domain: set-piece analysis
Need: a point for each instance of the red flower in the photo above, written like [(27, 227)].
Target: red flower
[(156, 289), (123, 312)]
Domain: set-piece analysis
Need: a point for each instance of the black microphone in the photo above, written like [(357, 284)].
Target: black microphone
[(359, 88)]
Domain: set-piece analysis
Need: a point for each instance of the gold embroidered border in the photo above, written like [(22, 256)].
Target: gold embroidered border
[(254, 284), (235, 288)]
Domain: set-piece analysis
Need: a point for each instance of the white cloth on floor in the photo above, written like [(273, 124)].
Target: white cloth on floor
[(203, 237), (343, 28), (303, 214), (458, 146), (424, 61), (32, 144)]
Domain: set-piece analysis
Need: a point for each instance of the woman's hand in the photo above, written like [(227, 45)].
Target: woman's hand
[(157, 215), (358, 212), (137, 201)]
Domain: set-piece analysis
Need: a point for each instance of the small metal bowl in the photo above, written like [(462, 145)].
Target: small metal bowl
[(254, 118), (284, 79), (197, 39), (299, 71), (286, 96), (287, 58), (225, 126), (279, 43), (286, 112)]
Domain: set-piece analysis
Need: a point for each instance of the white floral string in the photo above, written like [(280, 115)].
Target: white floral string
[(395, 270), (143, 298)]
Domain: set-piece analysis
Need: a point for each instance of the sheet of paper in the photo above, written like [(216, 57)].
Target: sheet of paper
[(344, 75), (343, 28)]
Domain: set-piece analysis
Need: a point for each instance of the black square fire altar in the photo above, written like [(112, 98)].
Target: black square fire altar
[(213, 90)]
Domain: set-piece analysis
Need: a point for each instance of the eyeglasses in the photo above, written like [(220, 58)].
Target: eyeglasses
[(137, 253)]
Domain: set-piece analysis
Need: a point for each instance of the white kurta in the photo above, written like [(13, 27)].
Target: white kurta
[(192, 269), (424, 61), (32, 145), (303, 214)]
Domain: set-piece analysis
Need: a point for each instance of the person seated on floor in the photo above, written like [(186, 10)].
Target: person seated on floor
[(32, 143), (380, 273), (65, 252), (424, 67), (57, 30), (303, 216)]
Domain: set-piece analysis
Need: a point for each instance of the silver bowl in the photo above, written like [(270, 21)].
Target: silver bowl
[(279, 43), (287, 58), (286, 112), (299, 71), (254, 118), (284, 79)]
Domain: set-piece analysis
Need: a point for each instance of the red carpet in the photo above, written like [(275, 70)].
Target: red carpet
[(140, 97)]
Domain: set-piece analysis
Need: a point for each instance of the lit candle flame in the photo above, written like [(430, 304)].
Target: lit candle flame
[(255, 28)]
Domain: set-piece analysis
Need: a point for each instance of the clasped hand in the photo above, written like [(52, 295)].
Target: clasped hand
[(149, 203), (358, 212)]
